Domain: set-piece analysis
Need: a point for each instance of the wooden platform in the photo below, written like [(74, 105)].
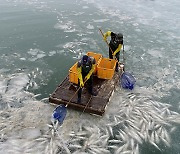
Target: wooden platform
[(91, 104)]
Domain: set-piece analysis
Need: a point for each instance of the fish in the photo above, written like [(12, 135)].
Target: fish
[(76, 146), (173, 129), (110, 131), (134, 135), (166, 136), (132, 143), (112, 146), (104, 139), (115, 141), (99, 150), (121, 149), (152, 137), (154, 145), (166, 142), (91, 151), (136, 150), (156, 137), (81, 137), (121, 135), (131, 123)]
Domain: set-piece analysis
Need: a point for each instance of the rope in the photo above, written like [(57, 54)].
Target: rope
[(87, 104)]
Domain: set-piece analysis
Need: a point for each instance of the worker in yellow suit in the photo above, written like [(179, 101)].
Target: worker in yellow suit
[(115, 45), (85, 69)]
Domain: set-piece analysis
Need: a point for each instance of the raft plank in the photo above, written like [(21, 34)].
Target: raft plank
[(96, 105)]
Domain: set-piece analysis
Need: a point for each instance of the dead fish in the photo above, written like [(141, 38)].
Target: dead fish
[(115, 141), (72, 134), (81, 133), (167, 136), (157, 139), (152, 137), (99, 150), (121, 149), (81, 137), (41, 139), (132, 144), (143, 127), (112, 146), (104, 140), (134, 135), (126, 152), (172, 129), (122, 135), (44, 99), (75, 146), (136, 150), (131, 123), (110, 130), (91, 152), (165, 141), (155, 145)]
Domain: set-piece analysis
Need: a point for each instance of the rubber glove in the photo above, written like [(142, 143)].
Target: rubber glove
[(114, 57), (81, 83), (87, 77), (105, 39)]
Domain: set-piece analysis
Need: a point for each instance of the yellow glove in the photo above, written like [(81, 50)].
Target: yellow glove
[(114, 56), (81, 84), (87, 77), (108, 33)]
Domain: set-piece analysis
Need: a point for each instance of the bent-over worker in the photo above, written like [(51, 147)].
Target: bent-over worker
[(85, 69), (115, 45)]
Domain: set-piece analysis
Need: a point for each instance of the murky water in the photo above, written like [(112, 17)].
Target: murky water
[(40, 40)]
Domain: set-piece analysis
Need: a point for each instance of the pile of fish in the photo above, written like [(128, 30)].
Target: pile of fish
[(138, 120), (131, 121)]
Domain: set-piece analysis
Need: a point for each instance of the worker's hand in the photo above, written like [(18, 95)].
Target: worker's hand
[(81, 84), (87, 77), (104, 38), (113, 54)]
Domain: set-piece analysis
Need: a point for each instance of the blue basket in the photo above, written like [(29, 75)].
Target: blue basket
[(127, 81), (59, 113)]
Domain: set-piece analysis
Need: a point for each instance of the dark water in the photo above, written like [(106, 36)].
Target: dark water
[(40, 40)]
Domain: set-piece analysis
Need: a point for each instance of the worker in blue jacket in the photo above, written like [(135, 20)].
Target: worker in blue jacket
[(115, 45), (85, 69)]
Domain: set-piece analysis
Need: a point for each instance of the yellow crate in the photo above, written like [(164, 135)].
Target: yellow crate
[(105, 68), (97, 57), (73, 76)]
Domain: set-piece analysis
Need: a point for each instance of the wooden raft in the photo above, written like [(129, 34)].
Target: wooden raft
[(96, 104)]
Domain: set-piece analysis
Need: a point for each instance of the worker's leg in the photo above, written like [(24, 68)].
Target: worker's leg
[(110, 54), (117, 57), (90, 86), (79, 93)]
